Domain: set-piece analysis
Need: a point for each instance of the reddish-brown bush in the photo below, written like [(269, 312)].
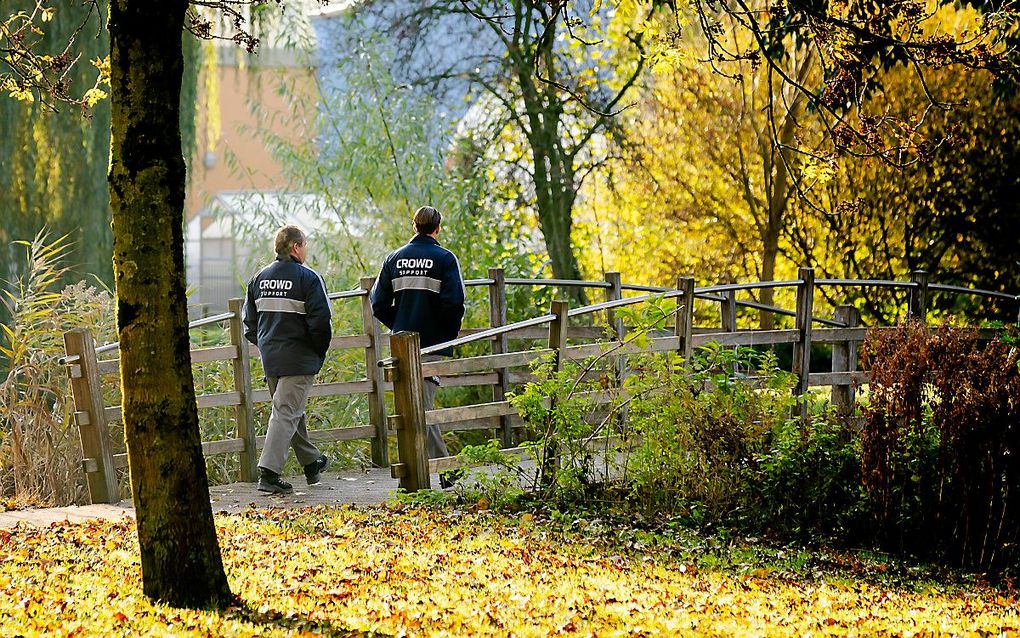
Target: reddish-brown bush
[(941, 443)]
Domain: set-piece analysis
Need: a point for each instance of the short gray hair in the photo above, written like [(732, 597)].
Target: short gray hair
[(288, 237)]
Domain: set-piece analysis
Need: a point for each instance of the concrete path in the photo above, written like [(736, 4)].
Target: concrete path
[(350, 486)]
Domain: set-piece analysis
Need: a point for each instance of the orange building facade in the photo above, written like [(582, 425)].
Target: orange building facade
[(252, 99)]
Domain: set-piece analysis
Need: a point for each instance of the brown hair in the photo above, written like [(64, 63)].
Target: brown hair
[(288, 237), (427, 220)]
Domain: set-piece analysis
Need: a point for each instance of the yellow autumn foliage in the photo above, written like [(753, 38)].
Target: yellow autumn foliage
[(422, 572)]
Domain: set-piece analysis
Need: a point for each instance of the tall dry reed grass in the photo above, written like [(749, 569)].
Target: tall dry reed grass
[(40, 455)]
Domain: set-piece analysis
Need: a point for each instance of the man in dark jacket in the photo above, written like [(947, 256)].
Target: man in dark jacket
[(420, 289), (287, 315)]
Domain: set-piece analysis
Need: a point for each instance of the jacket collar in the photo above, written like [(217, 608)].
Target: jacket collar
[(286, 258), (424, 239)]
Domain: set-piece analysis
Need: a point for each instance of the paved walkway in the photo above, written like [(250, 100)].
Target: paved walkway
[(355, 487)]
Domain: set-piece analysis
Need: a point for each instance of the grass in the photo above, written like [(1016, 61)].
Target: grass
[(404, 570)]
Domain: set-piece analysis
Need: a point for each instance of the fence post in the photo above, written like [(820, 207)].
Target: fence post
[(90, 417), (684, 319), (497, 318), (917, 304), (844, 359), (409, 420), (244, 412), (558, 332), (802, 348), (728, 318), (377, 397), (558, 344), (613, 293), (728, 311)]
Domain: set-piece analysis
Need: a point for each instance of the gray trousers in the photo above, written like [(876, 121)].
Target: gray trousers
[(287, 423), (435, 446)]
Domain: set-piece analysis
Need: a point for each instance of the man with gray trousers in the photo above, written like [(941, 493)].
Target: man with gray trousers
[(420, 288), (287, 315)]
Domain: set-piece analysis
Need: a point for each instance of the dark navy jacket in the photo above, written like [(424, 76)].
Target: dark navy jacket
[(287, 315), (420, 288)]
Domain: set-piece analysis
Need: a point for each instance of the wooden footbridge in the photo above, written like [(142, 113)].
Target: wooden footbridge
[(564, 333)]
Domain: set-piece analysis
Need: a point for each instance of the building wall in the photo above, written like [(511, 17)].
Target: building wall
[(242, 90), (248, 102)]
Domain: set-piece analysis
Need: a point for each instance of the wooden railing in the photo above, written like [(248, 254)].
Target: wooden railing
[(503, 368)]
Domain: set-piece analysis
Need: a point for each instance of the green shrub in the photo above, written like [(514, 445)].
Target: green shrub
[(705, 441), (808, 483), (702, 428), (560, 420), (683, 439), (941, 444)]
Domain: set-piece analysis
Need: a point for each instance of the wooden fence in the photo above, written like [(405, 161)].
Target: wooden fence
[(403, 371)]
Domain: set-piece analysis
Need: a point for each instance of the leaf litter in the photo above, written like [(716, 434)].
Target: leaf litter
[(408, 571)]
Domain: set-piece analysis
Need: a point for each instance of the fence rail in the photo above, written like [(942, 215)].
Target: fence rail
[(402, 372)]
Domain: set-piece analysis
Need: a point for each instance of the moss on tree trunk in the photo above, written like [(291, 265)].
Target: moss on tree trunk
[(180, 555)]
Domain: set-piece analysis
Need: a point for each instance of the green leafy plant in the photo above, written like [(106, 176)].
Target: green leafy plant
[(808, 483), (492, 475), (703, 426), (678, 438)]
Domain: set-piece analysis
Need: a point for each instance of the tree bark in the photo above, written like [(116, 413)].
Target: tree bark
[(779, 190), (180, 556), (553, 174), (776, 216), (554, 201), (555, 214)]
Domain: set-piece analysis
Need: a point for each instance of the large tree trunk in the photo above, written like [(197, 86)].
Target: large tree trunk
[(553, 172), (554, 195), (555, 218), (777, 161), (180, 556)]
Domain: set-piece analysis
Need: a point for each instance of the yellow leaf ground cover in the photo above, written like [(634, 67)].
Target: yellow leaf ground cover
[(444, 572)]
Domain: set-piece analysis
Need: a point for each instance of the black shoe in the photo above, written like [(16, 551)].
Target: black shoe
[(449, 478), (313, 469), (272, 483)]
